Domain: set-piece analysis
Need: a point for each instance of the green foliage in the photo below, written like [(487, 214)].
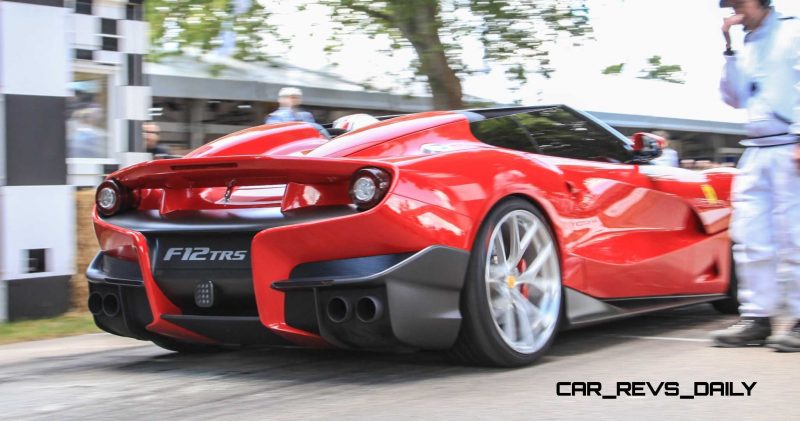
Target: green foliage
[(614, 69), (666, 72), (180, 24), (514, 34)]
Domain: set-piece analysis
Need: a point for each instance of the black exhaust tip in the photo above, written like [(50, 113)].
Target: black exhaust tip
[(338, 309), (369, 309), (110, 305), (95, 303)]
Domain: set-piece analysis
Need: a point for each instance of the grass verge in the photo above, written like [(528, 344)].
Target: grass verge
[(29, 330)]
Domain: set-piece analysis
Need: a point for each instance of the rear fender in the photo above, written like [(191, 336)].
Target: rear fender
[(472, 182)]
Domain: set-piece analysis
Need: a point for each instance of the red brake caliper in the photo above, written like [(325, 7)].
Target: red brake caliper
[(521, 267)]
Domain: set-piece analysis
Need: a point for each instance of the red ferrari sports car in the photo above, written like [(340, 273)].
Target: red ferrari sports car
[(480, 232)]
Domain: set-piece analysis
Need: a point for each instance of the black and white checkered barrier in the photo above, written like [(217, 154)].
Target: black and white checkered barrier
[(41, 42)]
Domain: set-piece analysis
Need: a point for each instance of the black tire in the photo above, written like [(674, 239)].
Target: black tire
[(187, 347), (730, 305), (479, 342)]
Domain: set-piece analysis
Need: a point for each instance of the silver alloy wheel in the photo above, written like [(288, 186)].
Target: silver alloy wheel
[(523, 281)]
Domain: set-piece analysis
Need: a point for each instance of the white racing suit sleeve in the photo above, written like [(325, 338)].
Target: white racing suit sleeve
[(795, 127), (733, 84)]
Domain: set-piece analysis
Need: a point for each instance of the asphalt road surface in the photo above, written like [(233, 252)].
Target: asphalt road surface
[(103, 377)]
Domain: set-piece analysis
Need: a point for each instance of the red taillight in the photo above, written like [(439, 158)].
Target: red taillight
[(112, 198), (368, 187)]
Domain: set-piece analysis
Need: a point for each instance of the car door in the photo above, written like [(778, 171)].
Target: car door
[(632, 238)]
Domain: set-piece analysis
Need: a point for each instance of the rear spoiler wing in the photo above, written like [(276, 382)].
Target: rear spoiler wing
[(186, 173)]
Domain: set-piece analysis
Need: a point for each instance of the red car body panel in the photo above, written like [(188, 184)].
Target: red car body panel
[(373, 135), (337, 238), (621, 228), (123, 243), (286, 138)]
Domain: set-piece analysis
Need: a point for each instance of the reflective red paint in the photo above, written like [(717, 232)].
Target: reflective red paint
[(273, 139), (159, 303), (623, 230)]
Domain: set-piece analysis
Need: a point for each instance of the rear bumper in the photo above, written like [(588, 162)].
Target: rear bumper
[(117, 297), (414, 303), (113, 280), (410, 255)]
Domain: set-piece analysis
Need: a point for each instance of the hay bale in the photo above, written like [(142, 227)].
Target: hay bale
[(86, 249)]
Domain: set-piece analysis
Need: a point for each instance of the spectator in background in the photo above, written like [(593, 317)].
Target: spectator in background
[(669, 156), (152, 137), (289, 100), (86, 138)]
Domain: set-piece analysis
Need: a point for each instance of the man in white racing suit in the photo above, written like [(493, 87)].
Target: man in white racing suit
[(764, 78)]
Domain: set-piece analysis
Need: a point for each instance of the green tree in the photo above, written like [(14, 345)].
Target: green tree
[(514, 34), (206, 25)]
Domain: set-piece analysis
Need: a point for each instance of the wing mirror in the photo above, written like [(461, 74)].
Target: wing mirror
[(647, 146)]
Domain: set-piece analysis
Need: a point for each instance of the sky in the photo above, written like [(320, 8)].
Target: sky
[(684, 32)]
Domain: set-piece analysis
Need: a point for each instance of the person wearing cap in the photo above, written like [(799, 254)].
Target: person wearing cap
[(764, 78), (289, 100)]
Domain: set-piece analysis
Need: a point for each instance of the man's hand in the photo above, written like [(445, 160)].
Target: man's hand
[(726, 27)]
